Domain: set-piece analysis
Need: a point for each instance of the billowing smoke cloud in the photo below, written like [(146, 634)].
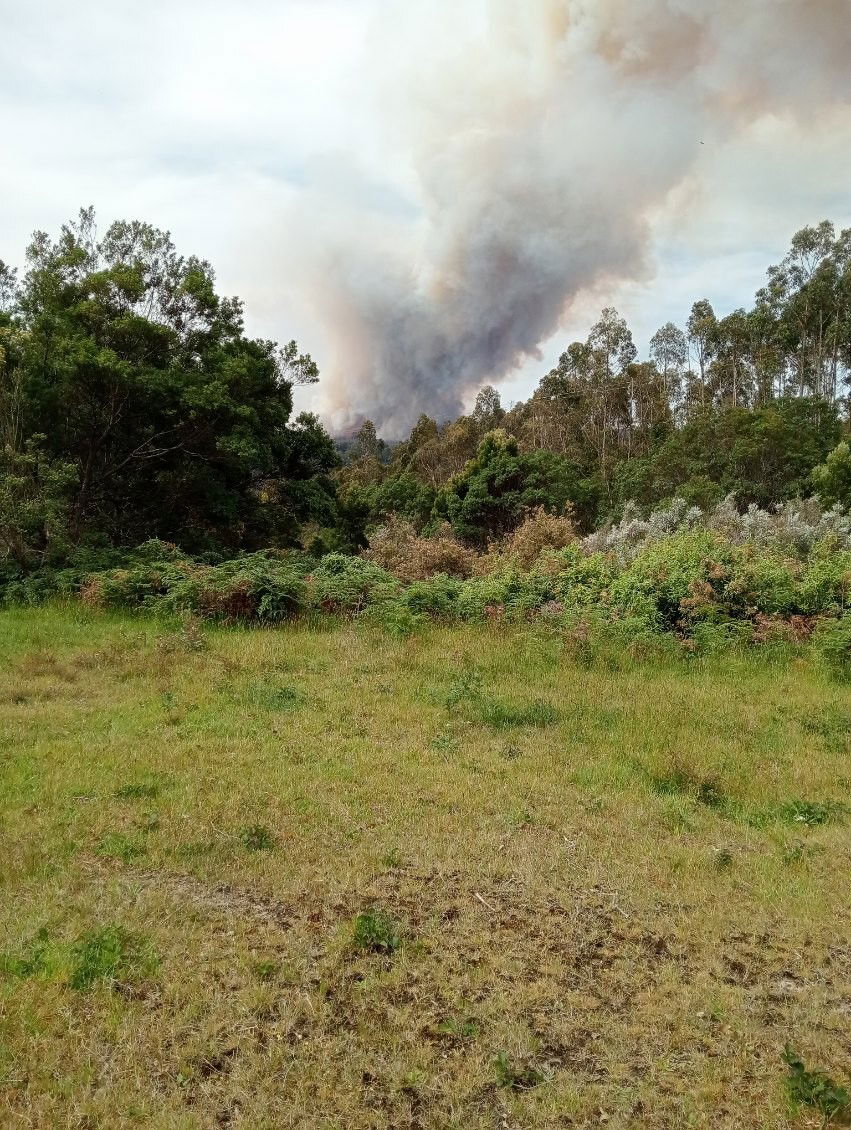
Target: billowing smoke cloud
[(535, 139)]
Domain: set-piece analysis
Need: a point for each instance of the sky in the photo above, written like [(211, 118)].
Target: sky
[(379, 178)]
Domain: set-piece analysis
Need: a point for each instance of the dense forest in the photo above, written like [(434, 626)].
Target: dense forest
[(134, 407)]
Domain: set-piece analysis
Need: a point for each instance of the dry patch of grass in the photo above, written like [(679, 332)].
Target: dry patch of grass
[(329, 879)]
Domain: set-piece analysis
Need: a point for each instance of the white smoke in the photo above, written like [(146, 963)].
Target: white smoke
[(538, 138)]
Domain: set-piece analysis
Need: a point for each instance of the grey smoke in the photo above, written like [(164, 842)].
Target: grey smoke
[(536, 138)]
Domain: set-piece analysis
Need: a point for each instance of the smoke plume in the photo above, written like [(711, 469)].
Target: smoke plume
[(533, 142)]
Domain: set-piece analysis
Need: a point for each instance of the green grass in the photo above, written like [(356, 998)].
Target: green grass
[(335, 878)]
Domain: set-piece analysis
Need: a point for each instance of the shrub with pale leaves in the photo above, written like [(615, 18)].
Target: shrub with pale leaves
[(539, 531), (398, 548)]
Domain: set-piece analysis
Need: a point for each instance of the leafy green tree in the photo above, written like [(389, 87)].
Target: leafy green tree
[(488, 411), (762, 455), (500, 485), (832, 479), (140, 376)]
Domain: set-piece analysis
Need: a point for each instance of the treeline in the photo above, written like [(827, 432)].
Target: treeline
[(748, 404), (133, 406)]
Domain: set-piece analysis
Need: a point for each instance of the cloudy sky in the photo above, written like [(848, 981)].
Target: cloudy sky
[(432, 195)]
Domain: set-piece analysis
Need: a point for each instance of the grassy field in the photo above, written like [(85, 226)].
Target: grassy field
[(325, 878)]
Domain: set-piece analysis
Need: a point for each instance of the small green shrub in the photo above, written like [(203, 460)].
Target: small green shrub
[(436, 598), (467, 687), (830, 723), (258, 586), (267, 694), (815, 1088), (396, 619), (459, 1027), (110, 954), (377, 931), (833, 644), (347, 585), (393, 859), (521, 1075), (257, 837), (29, 963), (266, 970), (812, 813)]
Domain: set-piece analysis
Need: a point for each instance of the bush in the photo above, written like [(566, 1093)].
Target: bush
[(538, 532), (436, 598), (833, 644), (672, 578), (254, 587), (579, 581), (377, 931), (398, 548), (347, 585), (507, 592)]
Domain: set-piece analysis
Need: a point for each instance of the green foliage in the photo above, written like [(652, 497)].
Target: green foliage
[(110, 954), (258, 586), (268, 694), (815, 1088), (459, 1027), (505, 592), (159, 417), (499, 486), (347, 585), (832, 479), (436, 598), (812, 813), (377, 931), (35, 495), (759, 454), (517, 1075), (257, 837), (31, 962), (833, 645), (666, 574), (118, 846)]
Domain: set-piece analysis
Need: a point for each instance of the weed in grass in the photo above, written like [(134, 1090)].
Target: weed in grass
[(274, 696), (504, 715), (110, 954), (815, 1089), (709, 793), (520, 818), (147, 822), (392, 859), (121, 847), (830, 723), (681, 781), (812, 813), (459, 1027), (190, 637), (445, 743), (377, 931), (29, 963), (466, 688), (257, 837), (798, 851), (266, 970), (137, 791), (519, 1075)]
